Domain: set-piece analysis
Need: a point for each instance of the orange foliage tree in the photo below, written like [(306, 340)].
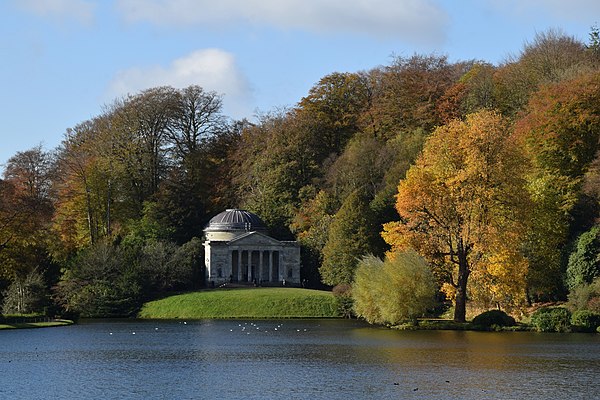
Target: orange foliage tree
[(462, 206)]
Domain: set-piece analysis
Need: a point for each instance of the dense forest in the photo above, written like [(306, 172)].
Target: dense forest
[(489, 174)]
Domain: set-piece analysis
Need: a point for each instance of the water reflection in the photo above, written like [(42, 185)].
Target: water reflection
[(305, 359)]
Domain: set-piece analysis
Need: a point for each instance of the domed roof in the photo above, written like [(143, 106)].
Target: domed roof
[(235, 220)]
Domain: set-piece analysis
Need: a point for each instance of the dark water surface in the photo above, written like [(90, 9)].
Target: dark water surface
[(304, 359)]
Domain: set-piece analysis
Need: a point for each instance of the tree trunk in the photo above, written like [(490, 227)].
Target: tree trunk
[(460, 308)]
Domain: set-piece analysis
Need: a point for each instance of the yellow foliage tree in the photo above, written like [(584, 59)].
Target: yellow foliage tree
[(462, 206)]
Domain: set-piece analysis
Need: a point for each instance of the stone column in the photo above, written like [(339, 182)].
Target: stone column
[(260, 266), (239, 271)]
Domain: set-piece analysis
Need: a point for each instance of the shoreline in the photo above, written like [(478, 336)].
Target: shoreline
[(36, 325)]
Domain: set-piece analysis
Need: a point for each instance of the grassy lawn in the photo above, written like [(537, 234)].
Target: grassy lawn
[(252, 303)]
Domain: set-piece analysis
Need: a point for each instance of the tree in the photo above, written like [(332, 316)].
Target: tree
[(593, 46), (472, 92), (363, 164), (81, 188), (391, 291), (334, 105), (197, 119), (560, 135), (188, 265), (584, 262), (406, 93), (461, 198), (551, 57), (273, 161), (351, 236), (26, 295), (26, 209), (102, 281), (311, 227)]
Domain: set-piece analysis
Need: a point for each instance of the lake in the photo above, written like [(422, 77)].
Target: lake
[(292, 359)]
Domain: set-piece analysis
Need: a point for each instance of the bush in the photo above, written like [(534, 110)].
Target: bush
[(389, 292), (493, 318), (552, 320), (585, 320), (585, 297), (343, 299)]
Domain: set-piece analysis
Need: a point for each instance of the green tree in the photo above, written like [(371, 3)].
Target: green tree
[(351, 236), (311, 227), (560, 135), (584, 262), (334, 106), (274, 160), (188, 265), (102, 281)]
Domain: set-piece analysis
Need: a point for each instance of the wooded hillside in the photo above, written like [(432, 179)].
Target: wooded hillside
[(490, 172)]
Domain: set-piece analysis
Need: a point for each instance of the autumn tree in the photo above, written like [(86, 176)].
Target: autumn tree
[(406, 93), (472, 92), (461, 198), (26, 209), (81, 189)]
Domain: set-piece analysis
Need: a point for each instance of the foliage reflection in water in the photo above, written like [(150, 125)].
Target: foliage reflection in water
[(296, 359)]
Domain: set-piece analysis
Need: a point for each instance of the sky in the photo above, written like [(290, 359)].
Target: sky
[(64, 61)]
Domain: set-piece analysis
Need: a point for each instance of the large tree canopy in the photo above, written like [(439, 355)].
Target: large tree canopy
[(462, 206)]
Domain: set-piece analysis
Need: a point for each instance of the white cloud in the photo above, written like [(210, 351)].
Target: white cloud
[(79, 10), (213, 69), (413, 20), (575, 10)]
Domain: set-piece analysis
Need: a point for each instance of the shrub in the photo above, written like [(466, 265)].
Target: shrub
[(585, 320), (389, 292), (493, 317), (552, 320), (343, 299), (585, 297)]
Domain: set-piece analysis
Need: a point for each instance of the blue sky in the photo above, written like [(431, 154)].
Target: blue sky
[(64, 60)]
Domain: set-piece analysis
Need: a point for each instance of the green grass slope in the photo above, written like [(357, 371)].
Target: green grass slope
[(254, 303)]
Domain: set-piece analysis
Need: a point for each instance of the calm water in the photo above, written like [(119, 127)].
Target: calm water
[(306, 359)]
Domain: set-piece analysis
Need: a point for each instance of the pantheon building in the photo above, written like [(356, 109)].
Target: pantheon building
[(239, 250)]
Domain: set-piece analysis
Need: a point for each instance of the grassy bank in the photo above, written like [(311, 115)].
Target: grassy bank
[(29, 325), (254, 303)]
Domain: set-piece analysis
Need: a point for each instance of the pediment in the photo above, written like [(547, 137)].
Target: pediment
[(255, 239)]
